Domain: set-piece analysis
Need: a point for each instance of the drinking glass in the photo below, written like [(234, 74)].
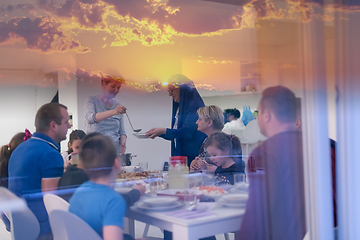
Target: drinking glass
[(144, 166), (194, 181), (239, 181), (208, 178), (75, 158), (155, 183)]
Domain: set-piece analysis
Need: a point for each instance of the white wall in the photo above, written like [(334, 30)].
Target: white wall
[(235, 101), (22, 93), (68, 97)]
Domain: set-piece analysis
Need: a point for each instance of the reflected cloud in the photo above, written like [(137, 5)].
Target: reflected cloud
[(155, 85), (53, 26), (96, 76), (21, 7), (215, 61), (40, 34)]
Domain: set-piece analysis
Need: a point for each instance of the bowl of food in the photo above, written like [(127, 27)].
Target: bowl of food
[(214, 192), (179, 193)]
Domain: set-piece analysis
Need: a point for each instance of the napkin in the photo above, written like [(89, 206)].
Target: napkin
[(189, 214)]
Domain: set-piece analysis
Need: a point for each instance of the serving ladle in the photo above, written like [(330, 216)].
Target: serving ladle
[(135, 130)]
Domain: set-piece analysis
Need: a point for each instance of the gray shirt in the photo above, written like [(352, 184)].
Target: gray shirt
[(112, 127)]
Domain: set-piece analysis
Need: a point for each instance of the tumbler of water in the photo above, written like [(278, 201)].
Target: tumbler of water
[(239, 181), (194, 181)]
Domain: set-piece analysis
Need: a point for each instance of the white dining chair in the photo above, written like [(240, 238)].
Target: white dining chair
[(23, 223), (54, 202), (307, 236), (250, 138), (67, 226)]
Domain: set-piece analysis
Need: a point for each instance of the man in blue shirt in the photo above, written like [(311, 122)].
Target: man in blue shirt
[(36, 165)]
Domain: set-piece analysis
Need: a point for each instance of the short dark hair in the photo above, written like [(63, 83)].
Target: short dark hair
[(46, 114), (225, 142), (236, 113), (97, 153), (281, 101), (233, 111), (76, 134)]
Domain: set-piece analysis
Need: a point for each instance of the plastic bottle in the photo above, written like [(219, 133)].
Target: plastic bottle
[(177, 168)]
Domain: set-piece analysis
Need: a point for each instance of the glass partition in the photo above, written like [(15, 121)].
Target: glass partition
[(232, 50)]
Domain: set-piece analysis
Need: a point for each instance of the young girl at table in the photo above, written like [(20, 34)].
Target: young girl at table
[(95, 201), (5, 153), (225, 152), (73, 146)]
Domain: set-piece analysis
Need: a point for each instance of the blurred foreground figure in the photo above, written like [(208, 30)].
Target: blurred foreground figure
[(36, 165), (276, 204), (95, 201)]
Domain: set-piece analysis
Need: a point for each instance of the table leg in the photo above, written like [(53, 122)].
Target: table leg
[(237, 236), (129, 226), (146, 230)]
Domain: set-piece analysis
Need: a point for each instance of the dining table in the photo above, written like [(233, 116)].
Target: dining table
[(209, 219)]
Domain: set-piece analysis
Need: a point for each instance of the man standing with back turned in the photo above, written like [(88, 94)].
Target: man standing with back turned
[(276, 205), (36, 165)]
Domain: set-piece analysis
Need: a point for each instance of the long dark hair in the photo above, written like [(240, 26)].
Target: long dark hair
[(75, 135), (226, 142), (5, 154)]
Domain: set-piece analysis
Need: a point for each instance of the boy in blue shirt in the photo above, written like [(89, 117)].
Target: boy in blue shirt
[(95, 201)]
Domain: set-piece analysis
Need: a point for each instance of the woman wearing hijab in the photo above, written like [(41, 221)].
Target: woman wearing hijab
[(185, 139)]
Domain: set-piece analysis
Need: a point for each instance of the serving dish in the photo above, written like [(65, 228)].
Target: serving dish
[(235, 198), (180, 193), (141, 135)]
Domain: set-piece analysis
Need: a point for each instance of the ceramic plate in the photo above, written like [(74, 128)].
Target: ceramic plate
[(235, 198), (144, 206), (160, 201), (232, 205)]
